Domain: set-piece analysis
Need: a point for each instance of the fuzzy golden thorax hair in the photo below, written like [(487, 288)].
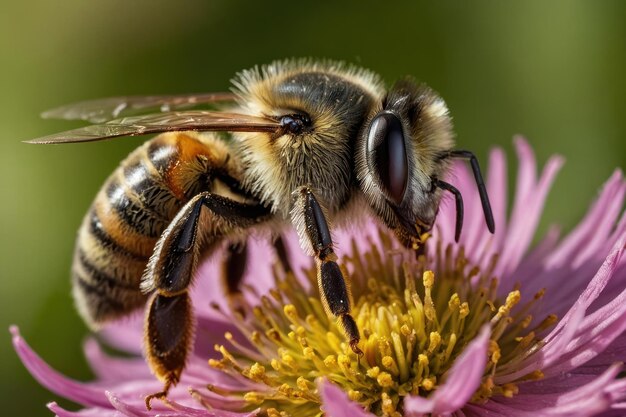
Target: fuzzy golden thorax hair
[(336, 98)]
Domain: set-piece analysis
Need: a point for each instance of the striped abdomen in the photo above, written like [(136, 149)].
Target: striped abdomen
[(133, 208)]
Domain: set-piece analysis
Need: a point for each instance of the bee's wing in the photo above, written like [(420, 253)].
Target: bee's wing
[(163, 122), (101, 110)]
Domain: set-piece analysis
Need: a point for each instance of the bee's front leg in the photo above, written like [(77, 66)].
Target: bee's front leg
[(169, 321), (310, 222)]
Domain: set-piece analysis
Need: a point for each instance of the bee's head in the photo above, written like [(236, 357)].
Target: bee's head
[(400, 155)]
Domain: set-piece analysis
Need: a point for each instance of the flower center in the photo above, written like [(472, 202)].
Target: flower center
[(413, 322)]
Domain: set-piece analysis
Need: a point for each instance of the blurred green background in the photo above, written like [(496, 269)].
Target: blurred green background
[(554, 71)]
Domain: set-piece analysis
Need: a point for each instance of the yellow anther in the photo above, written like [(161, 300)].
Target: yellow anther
[(373, 372), (286, 389), (534, 376), (384, 346), (428, 279), (513, 298), (272, 412), (273, 335), (228, 336), (253, 398), (258, 312), (275, 364), (385, 380), (526, 321), (422, 359), (547, 322), (343, 361), (288, 360), (387, 405), (454, 302), (464, 310), (308, 352), (495, 356), (300, 331), (435, 340), (216, 364), (257, 372), (355, 395), (509, 390), (330, 361), (302, 383), (391, 365), (428, 383)]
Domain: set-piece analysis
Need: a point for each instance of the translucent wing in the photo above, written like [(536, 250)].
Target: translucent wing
[(101, 110), (163, 122)]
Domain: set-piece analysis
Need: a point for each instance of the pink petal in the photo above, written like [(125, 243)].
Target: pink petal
[(586, 400), (210, 330), (54, 381), (109, 368), (596, 333), (527, 208), (183, 411), (497, 188), (126, 409), (478, 237), (557, 341), (597, 284), (85, 412), (125, 334), (461, 383), (474, 226), (335, 402), (610, 202), (297, 258)]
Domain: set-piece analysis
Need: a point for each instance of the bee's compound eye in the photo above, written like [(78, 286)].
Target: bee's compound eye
[(387, 149)]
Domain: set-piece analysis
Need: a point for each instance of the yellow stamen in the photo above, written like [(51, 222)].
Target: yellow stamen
[(412, 331)]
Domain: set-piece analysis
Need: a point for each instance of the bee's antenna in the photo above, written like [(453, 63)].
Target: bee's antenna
[(458, 198), (480, 183)]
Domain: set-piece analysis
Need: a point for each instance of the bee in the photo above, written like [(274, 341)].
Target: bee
[(298, 142)]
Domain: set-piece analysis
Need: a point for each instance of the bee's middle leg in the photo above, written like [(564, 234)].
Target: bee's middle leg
[(232, 273), (169, 322), (310, 223)]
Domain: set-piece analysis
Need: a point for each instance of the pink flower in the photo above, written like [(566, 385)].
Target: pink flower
[(497, 328)]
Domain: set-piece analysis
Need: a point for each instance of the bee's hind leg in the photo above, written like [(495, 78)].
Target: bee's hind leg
[(169, 321), (310, 222)]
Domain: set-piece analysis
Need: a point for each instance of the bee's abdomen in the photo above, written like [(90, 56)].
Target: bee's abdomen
[(130, 212)]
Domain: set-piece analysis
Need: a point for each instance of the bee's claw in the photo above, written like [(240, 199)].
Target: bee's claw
[(161, 395), (354, 345)]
